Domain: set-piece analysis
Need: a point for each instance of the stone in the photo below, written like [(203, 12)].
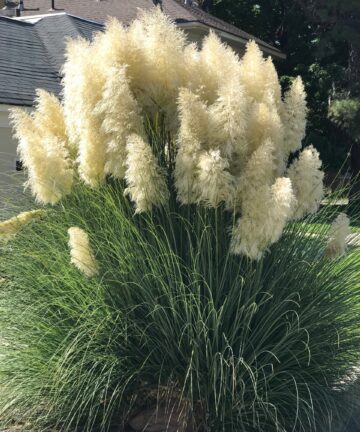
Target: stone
[(170, 417)]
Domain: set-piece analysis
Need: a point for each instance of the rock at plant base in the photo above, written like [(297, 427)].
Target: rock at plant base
[(172, 417)]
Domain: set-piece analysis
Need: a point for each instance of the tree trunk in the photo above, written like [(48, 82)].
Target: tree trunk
[(353, 70), (353, 75), (355, 171)]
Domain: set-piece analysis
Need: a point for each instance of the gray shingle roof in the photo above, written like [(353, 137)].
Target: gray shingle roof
[(126, 11), (31, 55)]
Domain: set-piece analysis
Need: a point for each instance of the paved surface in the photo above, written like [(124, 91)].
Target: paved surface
[(13, 199)]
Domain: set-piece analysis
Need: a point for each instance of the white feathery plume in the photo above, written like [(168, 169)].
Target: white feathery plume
[(232, 130), (193, 76), (121, 117), (12, 226), (229, 120), (186, 176), (307, 180), (146, 181), (294, 117), (215, 183), (49, 116), (252, 72), (83, 86), (283, 199), (120, 45), (49, 121), (45, 157), (214, 58), (263, 123), (261, 85), (339, 230), (263, 219), (163, 72), (192, 138), (259, 169), (265, 204), (72, 83), (271, 84), (81, 254), (194, 121)]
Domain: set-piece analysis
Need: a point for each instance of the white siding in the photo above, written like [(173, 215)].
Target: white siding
[(197, 33), (7, 143), (11, 181)]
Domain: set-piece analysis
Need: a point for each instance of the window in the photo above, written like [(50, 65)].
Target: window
[(19, 165)]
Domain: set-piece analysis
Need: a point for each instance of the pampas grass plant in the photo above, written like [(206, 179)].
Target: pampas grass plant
[(241, 345), (181, 279)]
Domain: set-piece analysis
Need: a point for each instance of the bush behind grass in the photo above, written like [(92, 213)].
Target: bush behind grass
[(241, 345)]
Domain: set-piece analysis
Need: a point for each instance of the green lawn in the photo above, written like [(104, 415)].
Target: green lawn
[(321, 226)]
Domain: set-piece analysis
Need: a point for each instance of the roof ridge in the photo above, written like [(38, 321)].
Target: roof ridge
[(33, 54), (88, 20), (6, 18), (25, 64), (46, 42)]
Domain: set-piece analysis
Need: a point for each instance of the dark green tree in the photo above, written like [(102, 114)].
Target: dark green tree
[(321, 41), (340, 21)]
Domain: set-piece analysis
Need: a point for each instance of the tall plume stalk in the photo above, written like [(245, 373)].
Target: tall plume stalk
[(137, 301), (229, 135)]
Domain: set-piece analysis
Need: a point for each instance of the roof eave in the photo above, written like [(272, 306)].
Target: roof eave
[(6, 104), (31, 18), (231, 37)]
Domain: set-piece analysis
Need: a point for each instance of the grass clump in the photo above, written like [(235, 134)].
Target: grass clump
[(146, 295), (171, 315)]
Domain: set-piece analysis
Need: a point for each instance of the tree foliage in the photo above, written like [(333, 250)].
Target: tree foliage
[(321, 40)]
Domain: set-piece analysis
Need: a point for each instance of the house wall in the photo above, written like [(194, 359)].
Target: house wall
[(11, 181), (7, 142), (197, 33)]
